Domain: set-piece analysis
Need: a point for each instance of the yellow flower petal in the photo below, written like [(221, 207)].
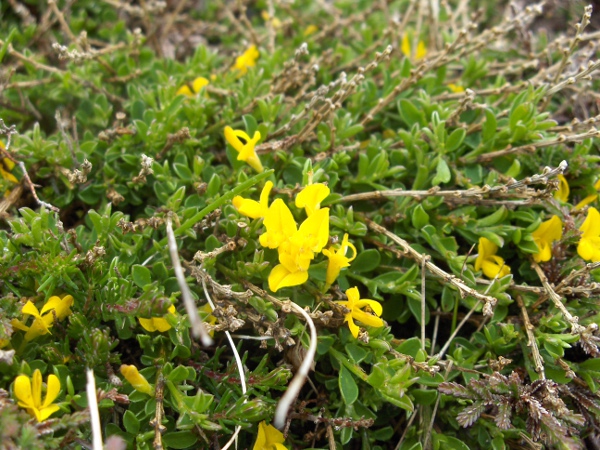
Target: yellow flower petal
[(311, 196), (136, 379), (268, 438), (281, 277), (563, 189), (548, 232), (22, 390), (280, 225), (586, 201)]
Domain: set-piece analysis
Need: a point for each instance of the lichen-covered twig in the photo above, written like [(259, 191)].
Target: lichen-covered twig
[(573, 320), (531, 342), (464, 290), (512, 190)]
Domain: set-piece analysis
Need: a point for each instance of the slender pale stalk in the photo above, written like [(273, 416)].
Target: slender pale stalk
[(94, 413), (198, 328), (298, 381)]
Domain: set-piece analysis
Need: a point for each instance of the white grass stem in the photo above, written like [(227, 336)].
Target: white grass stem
[(94, 413), (298, 381), (198, 328), (238, 361)]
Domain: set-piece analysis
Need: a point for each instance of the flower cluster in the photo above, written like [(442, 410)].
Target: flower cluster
[(297, 245), (44, 319)]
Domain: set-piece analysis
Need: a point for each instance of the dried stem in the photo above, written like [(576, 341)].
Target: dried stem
[(531, 342), (464, 290), (573, 320)]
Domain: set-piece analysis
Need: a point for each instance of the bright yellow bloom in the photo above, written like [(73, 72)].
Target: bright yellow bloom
[(589, 199), (246, 151), (159, 324), (6, 166), (406, 48), (311, 196), (29, 394), (252, 208), (456, 88), (280, 225), (296, 253), (136, 379), (355, 304), (44, 319), (311, 29), (487, 260), (589, 244), (246, 59), (338, 259), (563, 189), (548, 232), (190, 91), (269, 438)]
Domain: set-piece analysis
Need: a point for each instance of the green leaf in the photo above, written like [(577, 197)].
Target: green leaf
[(130, 422), (455, 139), (179, 439), (141, 275), (366, 261), (410, 113), (7, 42), (419, 217), (443, 174), (488, 130), (348, 386)]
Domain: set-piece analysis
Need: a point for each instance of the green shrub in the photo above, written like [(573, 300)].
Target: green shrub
[(397, 199)]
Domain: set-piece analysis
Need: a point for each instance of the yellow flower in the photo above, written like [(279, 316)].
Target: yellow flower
[(492, 264), (246, 59), (252, 208), (246, 152), (406, 48), (563, 189), (589, 244), (589, 199), (44, 319), (311, 29), (207, 317), (296, 253), (456, 88), (190, 91), (355, 305), (136, 379), (280, 225), (548, 232), (311, 196), (269, 438), (338, 260), (29, 394), (159, 324)]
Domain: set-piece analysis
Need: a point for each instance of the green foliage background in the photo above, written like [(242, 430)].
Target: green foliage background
[(319, 111)]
